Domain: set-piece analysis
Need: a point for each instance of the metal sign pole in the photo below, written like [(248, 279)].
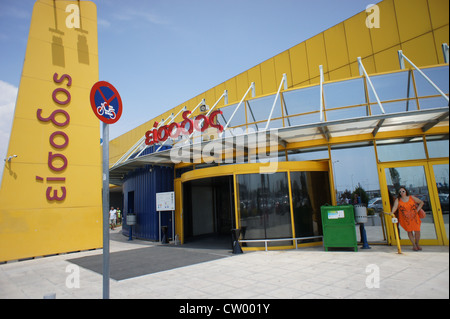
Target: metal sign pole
[(105, 211), (107, 107)]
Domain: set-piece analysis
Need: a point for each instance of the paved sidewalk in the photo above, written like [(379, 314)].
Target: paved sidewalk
[(303, 273)]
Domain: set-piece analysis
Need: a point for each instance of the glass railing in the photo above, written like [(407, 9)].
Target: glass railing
[(401, 91)]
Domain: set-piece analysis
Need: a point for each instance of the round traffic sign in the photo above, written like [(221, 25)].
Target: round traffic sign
[(106, 102)]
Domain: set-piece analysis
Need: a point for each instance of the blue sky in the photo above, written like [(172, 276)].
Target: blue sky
[(161, 53)]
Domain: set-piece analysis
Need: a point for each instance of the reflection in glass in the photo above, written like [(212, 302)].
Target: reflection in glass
[(432, 102), (308, 154), (441, 175), (302, 101), (238, 118), (437, 146), (413, 178), (355, 171), (310, 190), (439, 76), (394, 107), (259, 109), (392, 86), (303, 119), (400, 150), (344, 93), (264, 207), (346, 113)]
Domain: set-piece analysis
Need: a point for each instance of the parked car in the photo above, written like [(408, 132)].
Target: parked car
[(443, 199), (426, 203), (376, 204)]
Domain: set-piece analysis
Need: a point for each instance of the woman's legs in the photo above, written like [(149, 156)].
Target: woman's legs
[(412, 239), (417, 239)]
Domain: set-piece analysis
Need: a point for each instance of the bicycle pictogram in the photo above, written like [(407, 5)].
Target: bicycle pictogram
[(106, 102), (106, 109)]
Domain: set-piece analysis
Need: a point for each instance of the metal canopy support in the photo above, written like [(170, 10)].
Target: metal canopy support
[(224, 95), (432, 123), (202, 102), (325, 132), (283, 80), (377, 128), (163, 122), (321, 92), (445, 52), (252, 88), (362, 71), (401, 56), (183, 109), (136, 146)]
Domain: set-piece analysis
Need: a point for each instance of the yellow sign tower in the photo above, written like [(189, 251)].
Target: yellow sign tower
[(50, 196)]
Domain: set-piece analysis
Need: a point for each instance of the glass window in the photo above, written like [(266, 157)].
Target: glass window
[(273, 124), (394, 107), (238, 118), (354, 166), (356, 179), (432, 102), (308, 154), (414, 179), (437, 146), (303, 119), (310, 190), (344, 93), (302, 100), (439, 75), (400, 150), (259, 109), (392, 86), (264, 207), (346, 113)]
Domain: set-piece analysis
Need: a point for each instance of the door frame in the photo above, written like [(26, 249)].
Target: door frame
[(441, 238)]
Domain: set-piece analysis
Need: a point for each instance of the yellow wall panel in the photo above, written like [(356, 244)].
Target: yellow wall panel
[(254, 75), (315, 48), (439, 12), (358, 37), (211, 97), (242, 84), (283, 65), (299, 63), (269, 84), (336, 47), (387, 35), (219, 89), (340, 73), (440, 37), (230, 85), (387, 60), (412, 18), (421, 51)]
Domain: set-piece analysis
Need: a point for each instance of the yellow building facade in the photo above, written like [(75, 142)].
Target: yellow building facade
[(54, 147), (417, 27), (362, 106)]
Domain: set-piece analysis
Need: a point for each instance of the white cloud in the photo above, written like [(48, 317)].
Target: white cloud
[(8, 96)]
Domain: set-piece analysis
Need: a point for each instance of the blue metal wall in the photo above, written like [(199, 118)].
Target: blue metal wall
[(145, 183)]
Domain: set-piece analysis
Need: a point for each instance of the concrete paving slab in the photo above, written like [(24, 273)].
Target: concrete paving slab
[(306, 273)]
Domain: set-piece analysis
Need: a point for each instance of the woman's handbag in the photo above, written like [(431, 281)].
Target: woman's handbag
[(422, 214)]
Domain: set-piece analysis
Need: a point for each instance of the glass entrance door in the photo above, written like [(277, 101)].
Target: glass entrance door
[(418, 179), (440, 173)]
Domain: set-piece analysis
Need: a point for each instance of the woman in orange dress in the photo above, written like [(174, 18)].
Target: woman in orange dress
[(408, 215)]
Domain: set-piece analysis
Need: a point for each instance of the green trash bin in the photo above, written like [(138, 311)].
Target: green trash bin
[(338, 223)]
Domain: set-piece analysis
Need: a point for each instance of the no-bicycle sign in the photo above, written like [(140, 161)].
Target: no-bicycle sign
[(106, 102)]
